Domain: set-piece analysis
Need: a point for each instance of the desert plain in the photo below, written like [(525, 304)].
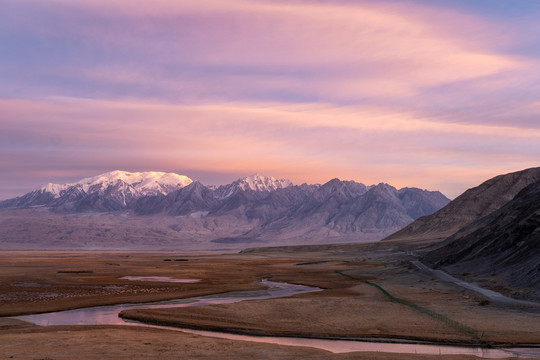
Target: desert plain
[(368, 292)]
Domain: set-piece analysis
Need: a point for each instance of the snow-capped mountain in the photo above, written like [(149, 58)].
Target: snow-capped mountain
[(255, 209), (140, 183), (254, 182), (113, 190)]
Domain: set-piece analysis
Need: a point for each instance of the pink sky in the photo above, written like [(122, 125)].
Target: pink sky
[(438, 97)]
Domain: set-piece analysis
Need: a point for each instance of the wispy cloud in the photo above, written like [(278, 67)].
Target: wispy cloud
[(342, 52), (309, 142), (403, 92)]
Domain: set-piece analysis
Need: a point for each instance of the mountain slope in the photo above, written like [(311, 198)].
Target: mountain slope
[(348, 211), (503, 247), (190, 199), (470, 206)]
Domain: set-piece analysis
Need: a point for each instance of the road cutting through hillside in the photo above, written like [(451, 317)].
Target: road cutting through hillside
[(493, 296)]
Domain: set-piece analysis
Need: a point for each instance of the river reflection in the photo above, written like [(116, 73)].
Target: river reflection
[(344, 346), (108, 315)]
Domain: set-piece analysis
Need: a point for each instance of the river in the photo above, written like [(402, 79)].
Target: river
[(108, 315)]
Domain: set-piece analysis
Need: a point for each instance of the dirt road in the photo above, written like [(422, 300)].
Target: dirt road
[(489, 294)]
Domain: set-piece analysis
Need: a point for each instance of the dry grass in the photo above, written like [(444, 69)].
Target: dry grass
[(346, 307), (98, 343)]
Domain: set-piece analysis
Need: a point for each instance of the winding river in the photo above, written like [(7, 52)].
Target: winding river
[(108, 315)]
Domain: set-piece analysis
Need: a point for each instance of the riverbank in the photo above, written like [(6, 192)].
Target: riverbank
[(327, 317), (97, 343), (346, 308)]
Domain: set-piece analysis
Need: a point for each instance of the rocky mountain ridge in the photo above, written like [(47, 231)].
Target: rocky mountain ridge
[(254, 209), (469, 207)]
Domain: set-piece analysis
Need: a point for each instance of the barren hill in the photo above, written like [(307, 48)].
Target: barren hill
[(470, 206), (502, 248)]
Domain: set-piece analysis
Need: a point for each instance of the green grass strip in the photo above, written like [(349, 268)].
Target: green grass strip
[(461, 327)]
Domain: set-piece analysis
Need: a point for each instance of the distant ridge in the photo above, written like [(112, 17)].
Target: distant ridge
[(470, 206), (254, 210)]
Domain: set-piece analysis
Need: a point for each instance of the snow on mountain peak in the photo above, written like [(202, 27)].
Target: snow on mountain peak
[(258, 182), (254, 182), (54, 189), (145, 183), (153, 182)]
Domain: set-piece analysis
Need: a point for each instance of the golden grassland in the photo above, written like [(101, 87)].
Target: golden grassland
[(348, 306)]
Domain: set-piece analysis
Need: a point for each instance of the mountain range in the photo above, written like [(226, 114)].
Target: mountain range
[(172, 210), (489, 235)]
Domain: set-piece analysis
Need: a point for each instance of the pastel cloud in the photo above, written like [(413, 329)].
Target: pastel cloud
[(365, 144), (323, 50), (402, 92)]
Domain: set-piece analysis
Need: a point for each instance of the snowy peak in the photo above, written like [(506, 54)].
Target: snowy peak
[(111, 191), (254, 182), (54, 189), (137, 183), (147, 183), (258, 182)]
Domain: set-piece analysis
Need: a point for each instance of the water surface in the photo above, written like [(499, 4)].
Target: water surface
[(108, 315)]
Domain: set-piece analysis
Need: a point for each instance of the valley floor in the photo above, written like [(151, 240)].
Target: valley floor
[(369, 291)]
